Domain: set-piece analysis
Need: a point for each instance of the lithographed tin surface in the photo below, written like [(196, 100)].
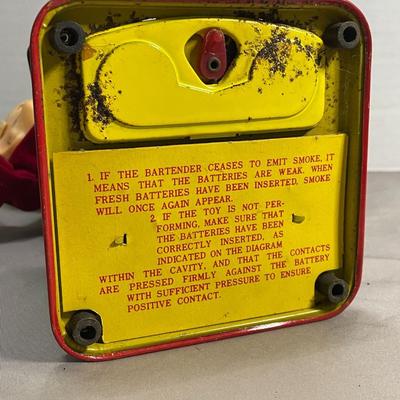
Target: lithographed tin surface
[(202, 167)]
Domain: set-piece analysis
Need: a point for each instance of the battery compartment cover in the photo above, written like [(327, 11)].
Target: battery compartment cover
[(187, 257), (140, 81)]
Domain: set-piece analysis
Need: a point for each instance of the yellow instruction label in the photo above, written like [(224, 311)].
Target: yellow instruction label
[(161, 240)]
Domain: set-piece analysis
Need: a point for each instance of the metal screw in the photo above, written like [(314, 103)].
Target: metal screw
[(334, 288), (345, 35), (85, 328), (67, 37)]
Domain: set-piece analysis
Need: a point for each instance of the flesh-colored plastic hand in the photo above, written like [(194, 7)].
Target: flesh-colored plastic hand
[(14, 129)]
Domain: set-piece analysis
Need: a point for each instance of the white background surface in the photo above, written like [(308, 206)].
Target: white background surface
[(17, 16)]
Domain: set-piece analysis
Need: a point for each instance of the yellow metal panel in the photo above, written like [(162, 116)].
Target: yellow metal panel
[(138, 77), (167, 240), (64, 105)]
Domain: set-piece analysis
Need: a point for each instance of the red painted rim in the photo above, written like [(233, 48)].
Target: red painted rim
[(46, 193)]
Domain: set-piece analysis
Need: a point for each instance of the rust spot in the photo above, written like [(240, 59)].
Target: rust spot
[(88, 52), (110, 22), (276, 51), (71, 93), (273, 16), (99, 105), (97, 102)]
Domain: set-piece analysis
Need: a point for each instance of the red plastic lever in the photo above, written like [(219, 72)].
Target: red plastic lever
[(213, 59)]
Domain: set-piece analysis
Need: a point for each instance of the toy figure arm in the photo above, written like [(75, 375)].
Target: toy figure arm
[(14, 129)]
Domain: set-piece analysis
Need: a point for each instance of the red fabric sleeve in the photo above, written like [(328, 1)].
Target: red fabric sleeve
[(19, 184)]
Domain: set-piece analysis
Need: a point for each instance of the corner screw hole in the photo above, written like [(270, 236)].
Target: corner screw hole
[(350, 34), (69, 37), (338, 290), (88, 333)]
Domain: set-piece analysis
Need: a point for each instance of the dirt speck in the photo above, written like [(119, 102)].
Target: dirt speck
[(71, 93), (276, 51), (114, 20), (273, 16), (99, 105)]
